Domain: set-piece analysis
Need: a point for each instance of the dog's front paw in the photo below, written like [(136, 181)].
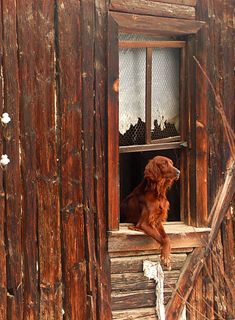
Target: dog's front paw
[(165, 255)]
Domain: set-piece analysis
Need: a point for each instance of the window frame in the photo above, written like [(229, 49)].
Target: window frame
[(123, 22)]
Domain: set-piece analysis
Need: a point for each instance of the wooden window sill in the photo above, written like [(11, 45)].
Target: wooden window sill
[(181, 236)]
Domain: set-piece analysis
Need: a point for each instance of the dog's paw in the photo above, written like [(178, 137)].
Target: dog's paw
[(166, 262)]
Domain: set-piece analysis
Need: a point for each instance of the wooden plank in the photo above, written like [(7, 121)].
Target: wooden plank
[(135, 264), (151, 147), (88, 109), (148, 95), (136, 299), (28, 88), (151, 44), (153, 8), (134, 240), (220, 305), (3, 279), (201, 121), (139, 313), (68, 49), (209, 289), (184, 2), (13, 222), (228, 240), (184, 135), (113, 124), (137, 281), (101, 79), (140, 253), (49, 240), (155, 25), (190, 218)]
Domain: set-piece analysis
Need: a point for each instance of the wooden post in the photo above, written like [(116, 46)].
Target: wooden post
[(69, 126), (28, 121), (3, 279), (13, 221)]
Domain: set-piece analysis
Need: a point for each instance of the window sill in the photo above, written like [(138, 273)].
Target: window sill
[(182, 237)]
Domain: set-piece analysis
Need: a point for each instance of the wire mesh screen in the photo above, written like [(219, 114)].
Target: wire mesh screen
[(132, 92), (165, 93), (132, 65)]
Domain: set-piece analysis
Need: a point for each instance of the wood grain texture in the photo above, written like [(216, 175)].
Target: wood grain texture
[(100, 129), (49, 224), (28, 107), (3, 268), (113, 116), (138, 313), (136, 299), (184, 2), (134, 240), (13, 222), (201, 120), (88, 78), (153, 8), (155, 25), (69, 83), (135, 263)]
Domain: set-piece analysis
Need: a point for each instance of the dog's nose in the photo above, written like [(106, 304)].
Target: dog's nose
[(178, 173)]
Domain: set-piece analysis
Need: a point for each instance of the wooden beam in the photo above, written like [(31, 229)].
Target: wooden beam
[(151, 147), (153, 8), (155, 25), (151, 44), (196, 260), (113, 124), (181, 236), (184, 2)]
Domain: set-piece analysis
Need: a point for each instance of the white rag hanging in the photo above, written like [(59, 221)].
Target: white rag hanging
[(153, 270)]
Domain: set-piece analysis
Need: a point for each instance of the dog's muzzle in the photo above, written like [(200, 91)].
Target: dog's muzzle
[(177, 173)]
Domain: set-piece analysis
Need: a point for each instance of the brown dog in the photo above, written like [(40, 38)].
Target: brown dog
[(147, 206)]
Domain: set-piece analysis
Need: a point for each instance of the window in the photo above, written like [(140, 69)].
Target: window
[(153, 112), (150, 103)]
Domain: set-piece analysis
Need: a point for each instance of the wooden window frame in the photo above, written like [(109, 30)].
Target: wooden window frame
[(187, 29)]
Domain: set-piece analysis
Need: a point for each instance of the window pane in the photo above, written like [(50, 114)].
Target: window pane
[(165, 93), (132, 68)]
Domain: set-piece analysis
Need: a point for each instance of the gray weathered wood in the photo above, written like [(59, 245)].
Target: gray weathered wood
[(153, 8)]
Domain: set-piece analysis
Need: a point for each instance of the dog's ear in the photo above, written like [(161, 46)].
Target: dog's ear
[(152, 171)]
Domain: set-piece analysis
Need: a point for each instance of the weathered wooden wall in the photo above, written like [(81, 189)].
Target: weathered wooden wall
[(53, 250), (53, 204)]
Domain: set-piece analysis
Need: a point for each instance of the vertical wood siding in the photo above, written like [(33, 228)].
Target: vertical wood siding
[(53, 195), (53, 218)]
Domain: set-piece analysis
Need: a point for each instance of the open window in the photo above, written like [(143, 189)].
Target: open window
[(151, 109), (151, 97)]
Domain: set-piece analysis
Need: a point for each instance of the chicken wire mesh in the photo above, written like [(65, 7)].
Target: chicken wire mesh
[(132, 93), (132, 66), (165, 93)]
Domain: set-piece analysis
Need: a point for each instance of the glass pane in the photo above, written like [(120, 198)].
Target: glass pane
[(165, 93), (132, 65)]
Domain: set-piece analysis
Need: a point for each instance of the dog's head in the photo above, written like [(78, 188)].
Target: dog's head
[(161, 168)]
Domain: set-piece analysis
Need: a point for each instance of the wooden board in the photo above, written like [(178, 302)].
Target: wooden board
[(181, 236), (155, 25), (135, 264), (136, 299), (13, 218), (132, 314), (101, 79), (3, 268), (153, 8), (28, 121), (70, 101), (124, 282)]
